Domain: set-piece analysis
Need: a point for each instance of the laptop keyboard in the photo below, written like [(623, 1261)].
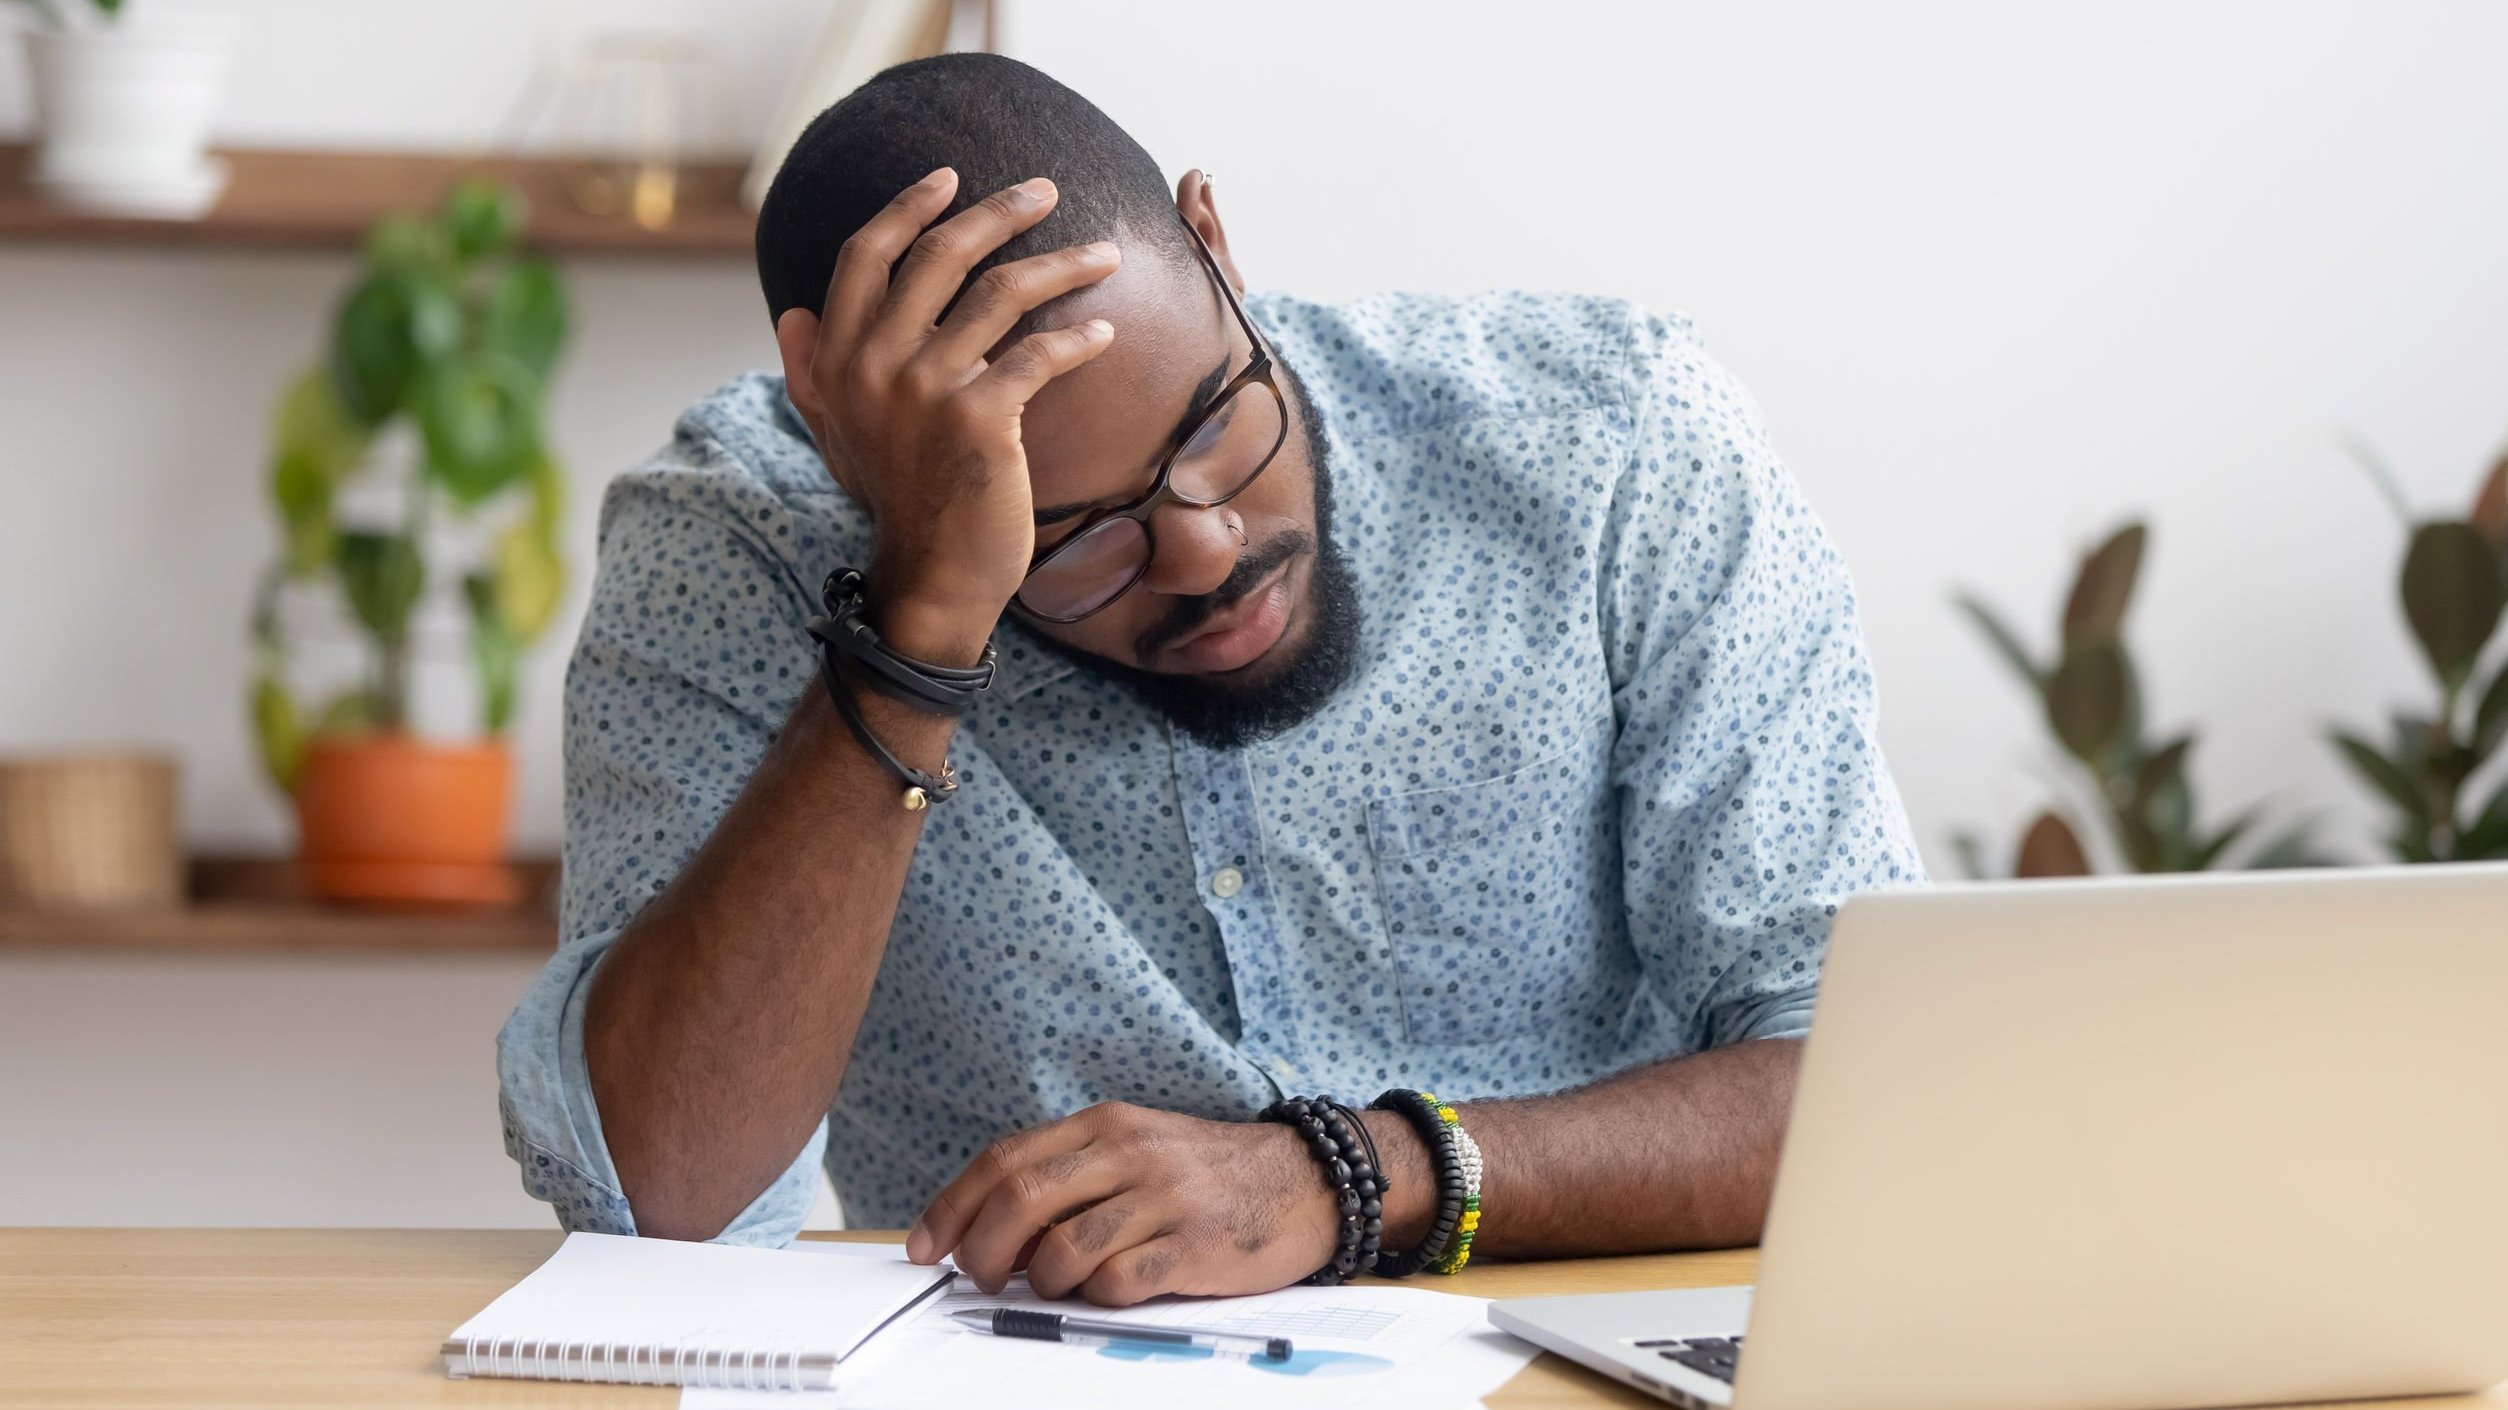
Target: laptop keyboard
[(1708, 1356)]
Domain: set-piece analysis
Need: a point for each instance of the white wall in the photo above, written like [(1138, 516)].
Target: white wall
[(135, 387), (134, 390), (1998, 274), (259, 1091), (256, 1091)]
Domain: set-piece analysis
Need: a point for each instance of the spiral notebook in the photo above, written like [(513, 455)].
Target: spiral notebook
[(659, 1312)]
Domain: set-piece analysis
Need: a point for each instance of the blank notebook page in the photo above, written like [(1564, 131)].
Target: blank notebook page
[(605, 1295)]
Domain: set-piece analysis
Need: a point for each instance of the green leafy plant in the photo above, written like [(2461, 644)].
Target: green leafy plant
[(2454, 588), (51, 13), (452, 329), (2092, 699)]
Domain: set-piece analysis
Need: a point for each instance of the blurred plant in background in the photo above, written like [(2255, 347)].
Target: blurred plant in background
[(453, 330), (2454, 587), (51, 13), (2093, 705)]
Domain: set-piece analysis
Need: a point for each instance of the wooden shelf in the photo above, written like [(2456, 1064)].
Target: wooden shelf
[(327, 200), (249, 927), (254, 906)]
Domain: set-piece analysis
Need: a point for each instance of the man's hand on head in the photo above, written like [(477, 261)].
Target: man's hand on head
[(1121, 1203), (918, 419)]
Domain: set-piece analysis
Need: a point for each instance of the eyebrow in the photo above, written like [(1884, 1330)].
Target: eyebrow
[(1195, 407)]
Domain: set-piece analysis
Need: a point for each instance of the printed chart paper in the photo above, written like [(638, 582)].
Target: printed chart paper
[(1368, 1345)]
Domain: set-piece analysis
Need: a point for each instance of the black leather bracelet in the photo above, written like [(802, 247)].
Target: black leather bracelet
[(922, 789), (898, 677), (845, 633)]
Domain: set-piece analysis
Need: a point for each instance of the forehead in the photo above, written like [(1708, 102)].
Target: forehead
[(1095, 431)]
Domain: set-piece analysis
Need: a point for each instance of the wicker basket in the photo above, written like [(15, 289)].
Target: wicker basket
[(89, 830)]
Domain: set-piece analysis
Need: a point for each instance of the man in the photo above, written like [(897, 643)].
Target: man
[(1438, 693)]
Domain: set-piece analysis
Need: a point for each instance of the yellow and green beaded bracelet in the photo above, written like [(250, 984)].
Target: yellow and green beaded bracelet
[(1459, 1251), (1456, 1162)]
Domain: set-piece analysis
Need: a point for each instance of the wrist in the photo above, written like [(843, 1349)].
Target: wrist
[(1318, 1212), (1411, 1203), (943, 604), (943, 634)]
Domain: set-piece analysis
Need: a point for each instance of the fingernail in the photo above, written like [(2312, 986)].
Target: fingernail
[(1101, 327), (918, 1243), (1104, 249), (1036, 188), (939, 175)]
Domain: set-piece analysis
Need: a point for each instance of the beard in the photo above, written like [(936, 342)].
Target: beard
[(1254, 703)]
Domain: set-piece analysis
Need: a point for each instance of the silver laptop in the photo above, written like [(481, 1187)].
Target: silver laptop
[(2109, 1145)]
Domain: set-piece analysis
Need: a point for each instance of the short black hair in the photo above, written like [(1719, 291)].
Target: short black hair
[(994, 119)]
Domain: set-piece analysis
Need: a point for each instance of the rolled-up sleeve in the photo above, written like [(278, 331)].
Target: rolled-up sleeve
[(687, 663), (1752, 794)]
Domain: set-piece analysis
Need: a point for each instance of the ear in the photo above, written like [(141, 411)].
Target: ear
[(797, 339), (1200, 210)]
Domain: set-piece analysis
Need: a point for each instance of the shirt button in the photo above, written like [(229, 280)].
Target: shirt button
[(1226, 882)]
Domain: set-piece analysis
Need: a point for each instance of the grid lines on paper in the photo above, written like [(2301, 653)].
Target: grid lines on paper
[(1348, 1323)]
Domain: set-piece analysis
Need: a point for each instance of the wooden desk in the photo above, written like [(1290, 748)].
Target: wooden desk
[(337, 1317)]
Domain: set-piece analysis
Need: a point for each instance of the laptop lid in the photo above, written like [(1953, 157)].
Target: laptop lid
[(2116, 1144)]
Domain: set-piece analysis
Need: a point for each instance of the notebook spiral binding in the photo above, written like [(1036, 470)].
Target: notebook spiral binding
[(692, 1361)]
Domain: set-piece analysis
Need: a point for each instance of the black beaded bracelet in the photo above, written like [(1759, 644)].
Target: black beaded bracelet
[(1345, 1152), (1445, 1160)]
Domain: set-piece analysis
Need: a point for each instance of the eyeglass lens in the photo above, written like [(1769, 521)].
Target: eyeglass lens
[(1229, 448)]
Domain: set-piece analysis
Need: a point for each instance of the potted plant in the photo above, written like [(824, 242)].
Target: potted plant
[(452, 330), (2139, 795), (2454, 588), (123, 105)]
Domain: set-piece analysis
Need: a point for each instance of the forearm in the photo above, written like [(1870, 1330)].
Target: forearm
[(718, 1025), (1677, 1154)]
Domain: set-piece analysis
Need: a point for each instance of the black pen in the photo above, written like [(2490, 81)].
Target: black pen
[(1088, 1331)]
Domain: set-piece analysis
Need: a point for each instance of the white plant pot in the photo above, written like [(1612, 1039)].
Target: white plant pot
[(124, 114)]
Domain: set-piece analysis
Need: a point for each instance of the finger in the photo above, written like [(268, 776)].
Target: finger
[(1033, 1198), (1028, 1251), (1073, 1249), (944, 1222), (860, 283), (1024, 369), (1006, 293), (937, 264), (1138, 1273)]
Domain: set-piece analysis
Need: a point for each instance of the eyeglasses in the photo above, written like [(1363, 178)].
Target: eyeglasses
[(1222, 452)]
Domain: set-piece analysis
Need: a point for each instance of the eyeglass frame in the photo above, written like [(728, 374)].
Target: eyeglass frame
[(1162, 492)]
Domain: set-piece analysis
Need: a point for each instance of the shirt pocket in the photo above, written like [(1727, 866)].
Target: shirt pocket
[(1501, 897)]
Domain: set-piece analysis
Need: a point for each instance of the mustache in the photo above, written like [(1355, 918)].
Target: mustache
[(1190, 613)]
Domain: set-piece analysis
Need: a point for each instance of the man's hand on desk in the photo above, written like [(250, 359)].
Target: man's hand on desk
[(1121, 1203)]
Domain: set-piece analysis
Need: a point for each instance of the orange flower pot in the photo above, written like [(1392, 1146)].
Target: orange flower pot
[(391, 819)]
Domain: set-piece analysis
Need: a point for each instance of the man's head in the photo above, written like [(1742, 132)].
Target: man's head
[(1245, 619)]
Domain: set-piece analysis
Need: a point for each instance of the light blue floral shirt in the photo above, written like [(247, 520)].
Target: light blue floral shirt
[(1606, 768)]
